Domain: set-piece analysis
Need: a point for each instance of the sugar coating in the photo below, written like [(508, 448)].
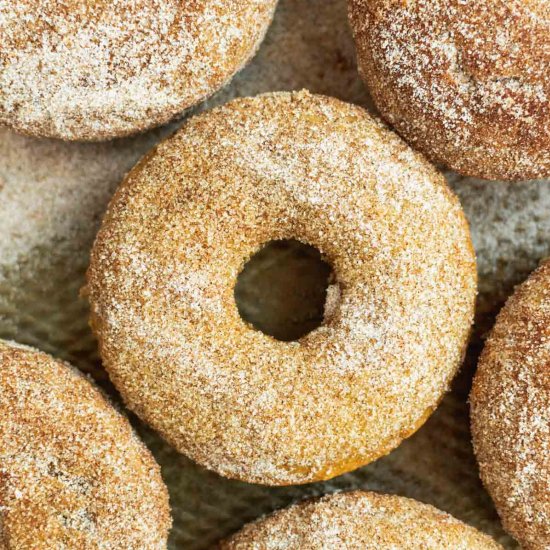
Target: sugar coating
[(308, 47), (510, 411), (186, 219), (359, 519), (89, 70), (53, 193), (510, 230), (466, 82), (72, 472)]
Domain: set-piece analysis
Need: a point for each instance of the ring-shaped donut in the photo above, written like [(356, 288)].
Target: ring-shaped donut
[(186, 219)]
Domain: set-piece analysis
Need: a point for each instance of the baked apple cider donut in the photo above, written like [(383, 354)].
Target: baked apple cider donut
[(176, 236), (73, 474), (510, 409), (91, 70), (465, 81), (359, 519)]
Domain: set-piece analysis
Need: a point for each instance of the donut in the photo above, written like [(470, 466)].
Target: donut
[(397, 317), (73, 474), (94, 70), (467, 82), (510, 412), (359, 519)]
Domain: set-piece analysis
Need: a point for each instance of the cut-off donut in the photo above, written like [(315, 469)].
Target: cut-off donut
[(93, 70), (73, 474), (359, 519), (510, 410), (467, 82)]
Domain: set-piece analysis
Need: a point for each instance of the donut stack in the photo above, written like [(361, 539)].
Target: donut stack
[(467, 84)]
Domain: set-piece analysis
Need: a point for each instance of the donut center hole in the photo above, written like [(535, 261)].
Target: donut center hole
[(282, 290)]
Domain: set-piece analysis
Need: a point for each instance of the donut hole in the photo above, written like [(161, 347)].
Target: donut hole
[(282, 289)]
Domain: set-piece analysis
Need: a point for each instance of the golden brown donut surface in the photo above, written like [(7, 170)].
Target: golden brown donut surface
[(510, 409), (359, 519), (89, 70), (73, 474), (465, 81), (186, 219)]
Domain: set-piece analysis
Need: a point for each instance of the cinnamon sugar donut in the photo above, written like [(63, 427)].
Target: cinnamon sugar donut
[(465, 81), (510, 409), (359, 519), (83, 70), (72, 472), (176, 235)]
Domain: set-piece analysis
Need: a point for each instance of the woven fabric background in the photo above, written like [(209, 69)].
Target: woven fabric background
[(53, 195)]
